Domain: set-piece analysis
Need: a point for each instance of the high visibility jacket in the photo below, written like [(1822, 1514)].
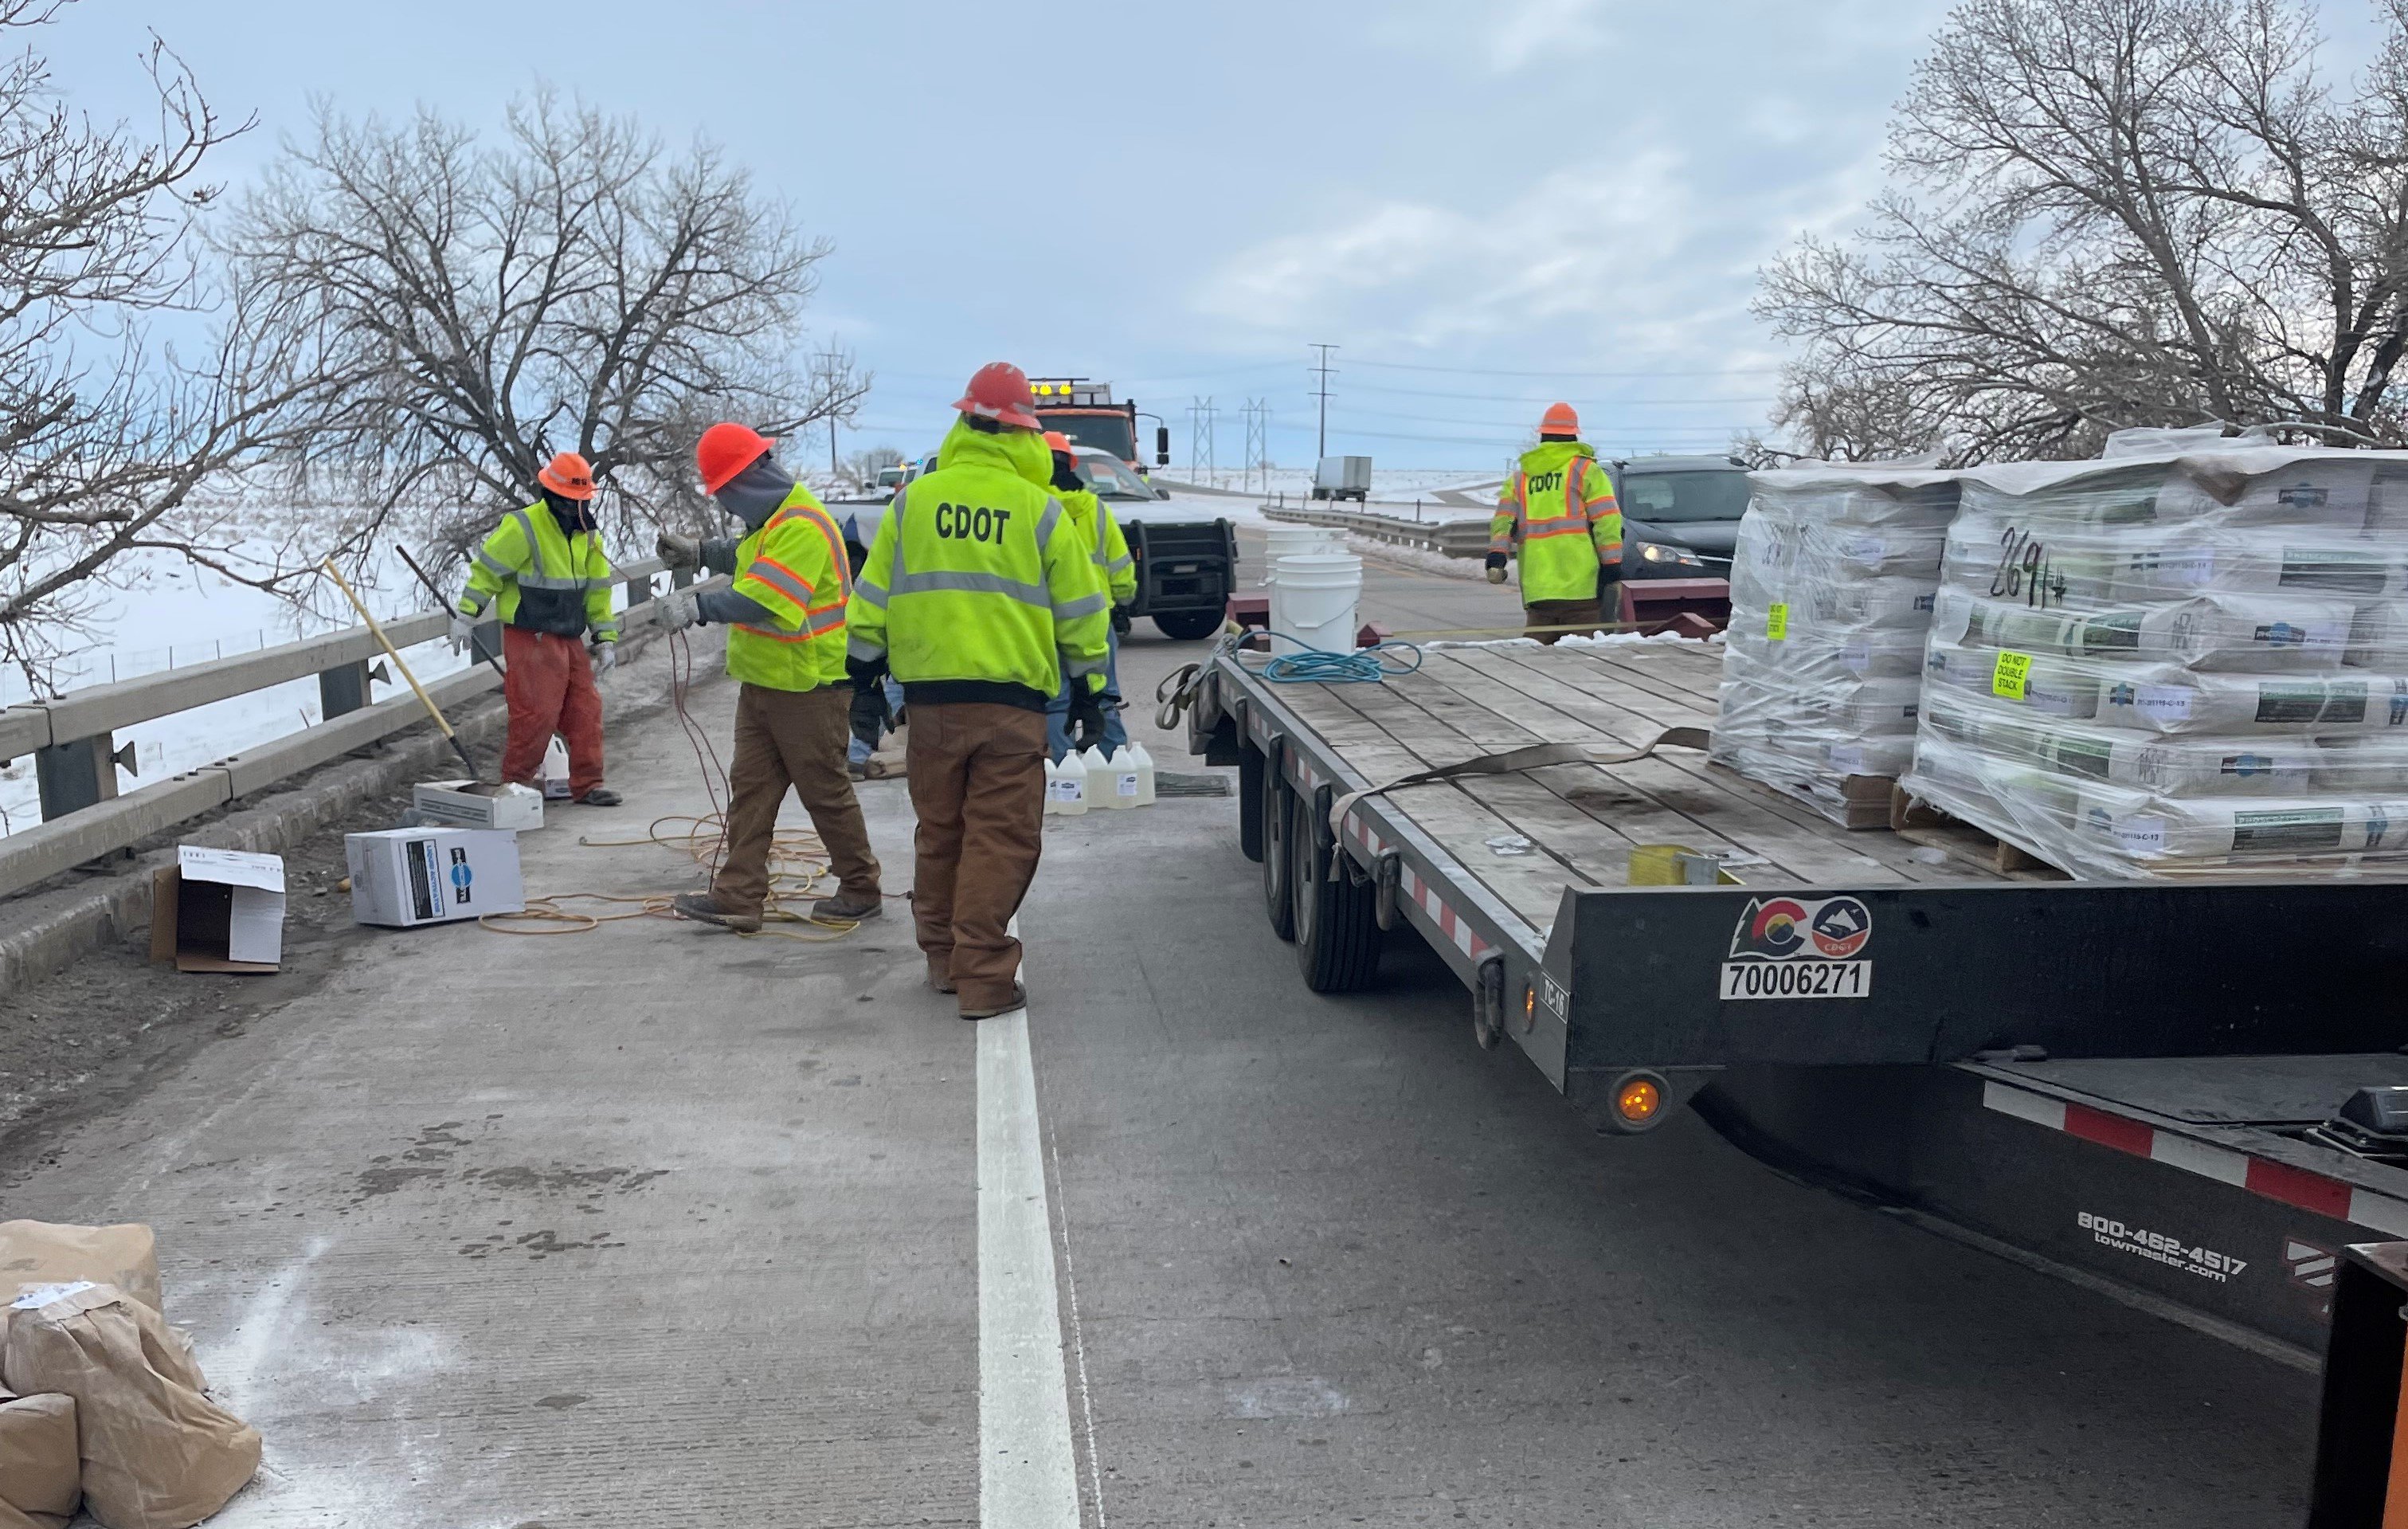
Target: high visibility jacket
[(1102, 534), (794, 568), (977, 588), (540, 578), (1558, 507)]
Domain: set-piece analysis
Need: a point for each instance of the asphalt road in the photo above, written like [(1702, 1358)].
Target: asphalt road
[(655, 1226)]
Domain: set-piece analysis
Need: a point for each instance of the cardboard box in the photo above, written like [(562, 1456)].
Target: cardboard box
[(218, 910), (405, 877), (454, 805)]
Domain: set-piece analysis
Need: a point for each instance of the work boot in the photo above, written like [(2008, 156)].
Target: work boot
[(704, 908), (1019, 1000), (601, 796), (849, 906), (941, 973)]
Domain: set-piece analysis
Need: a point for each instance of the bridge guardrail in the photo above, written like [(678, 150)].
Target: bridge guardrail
[(72, 741), (1458, 538)]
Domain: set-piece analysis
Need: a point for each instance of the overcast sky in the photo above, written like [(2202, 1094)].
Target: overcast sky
[(1484, 205)]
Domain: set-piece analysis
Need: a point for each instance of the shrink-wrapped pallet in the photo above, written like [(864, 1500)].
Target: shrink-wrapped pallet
[(1831, 591), (2177, 663)]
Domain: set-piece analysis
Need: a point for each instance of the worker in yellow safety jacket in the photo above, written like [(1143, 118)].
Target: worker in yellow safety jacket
[(1092, 518), (784, 611), (981, 597), (543, 573), (1557, 511)]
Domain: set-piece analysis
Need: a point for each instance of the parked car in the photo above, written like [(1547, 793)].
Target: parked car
[(1680, 516)]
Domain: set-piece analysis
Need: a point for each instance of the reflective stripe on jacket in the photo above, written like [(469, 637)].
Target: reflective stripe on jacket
[(1559, 509), (973, 580), (1114, 568), (794, 568), (540, 578)]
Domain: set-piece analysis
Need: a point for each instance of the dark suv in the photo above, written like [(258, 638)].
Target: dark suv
[(1680, 516)]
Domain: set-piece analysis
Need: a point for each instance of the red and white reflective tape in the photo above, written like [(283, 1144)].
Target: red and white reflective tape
[(1423, 895), (2299, 1187)]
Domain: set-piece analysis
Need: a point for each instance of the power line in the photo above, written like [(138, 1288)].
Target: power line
[(1322, 447), (1489, 371), (1517, 397)]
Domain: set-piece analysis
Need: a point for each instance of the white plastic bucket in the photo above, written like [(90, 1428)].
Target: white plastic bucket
[(1295, 541), (1313, 596)]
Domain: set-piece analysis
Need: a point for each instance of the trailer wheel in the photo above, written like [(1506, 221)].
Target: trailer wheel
[(1337, 917), (1251, 771), (1278, 819), (1188, 625)]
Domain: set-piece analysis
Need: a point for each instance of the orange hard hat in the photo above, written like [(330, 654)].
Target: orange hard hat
[(1056, 440), (1000, 391), (1559, 420), (725, 450), (568, 475)]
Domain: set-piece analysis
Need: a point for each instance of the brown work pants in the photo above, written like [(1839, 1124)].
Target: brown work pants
[(977, 782), (791, 738), (1561, 613)]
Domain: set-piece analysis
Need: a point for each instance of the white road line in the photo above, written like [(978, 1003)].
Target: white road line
[(1079, 1353), (1027, 1473)]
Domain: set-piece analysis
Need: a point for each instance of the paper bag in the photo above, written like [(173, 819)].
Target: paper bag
[(156, 1453), (41, 1253), (38, 1469)]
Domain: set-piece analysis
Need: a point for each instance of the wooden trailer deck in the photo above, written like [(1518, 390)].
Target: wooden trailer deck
[(1530, 836)]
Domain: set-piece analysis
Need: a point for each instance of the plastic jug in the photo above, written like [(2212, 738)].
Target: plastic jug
[(1100, 795), (1144, 763), (1122, 774), (1065, 789), (1053, 774), (555, 770)]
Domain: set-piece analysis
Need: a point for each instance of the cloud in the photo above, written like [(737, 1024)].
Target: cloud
[(1537, 30)]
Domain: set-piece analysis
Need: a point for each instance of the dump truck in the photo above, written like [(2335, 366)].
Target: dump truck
[(1085, 412), (2189, 1096)]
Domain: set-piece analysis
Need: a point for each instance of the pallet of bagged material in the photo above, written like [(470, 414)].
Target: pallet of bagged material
[(1918, 822), (1861, 801)]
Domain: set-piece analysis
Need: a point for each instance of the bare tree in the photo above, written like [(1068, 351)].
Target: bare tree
[(474, 309), (106, 435), (2107, 213)]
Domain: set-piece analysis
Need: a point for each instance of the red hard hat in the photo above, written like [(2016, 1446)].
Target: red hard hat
[(568, 475), (726, 449), (1000, 391), (1559, 420), (1056, 440)]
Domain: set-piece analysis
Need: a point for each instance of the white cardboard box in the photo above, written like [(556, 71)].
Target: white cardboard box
[(218, 910), (453, 805), (404, 877)]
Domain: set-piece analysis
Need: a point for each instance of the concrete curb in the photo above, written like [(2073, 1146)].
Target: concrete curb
[(45, 932)]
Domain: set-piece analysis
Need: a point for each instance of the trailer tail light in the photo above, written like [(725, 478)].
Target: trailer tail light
[(1637, 1101)]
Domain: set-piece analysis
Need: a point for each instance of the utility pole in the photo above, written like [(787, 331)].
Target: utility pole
[(829, 357), (1259, 428), (1324, 373)]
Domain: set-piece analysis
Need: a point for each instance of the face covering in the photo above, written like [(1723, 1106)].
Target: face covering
[(574, 515), (755, 494)]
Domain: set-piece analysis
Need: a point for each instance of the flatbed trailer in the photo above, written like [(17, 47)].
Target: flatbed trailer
[(2114, 1081)]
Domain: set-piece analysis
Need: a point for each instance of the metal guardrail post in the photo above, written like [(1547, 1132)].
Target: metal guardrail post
[(79, 774), (680, 578), (343, 689), (638, 591), (485, 642)]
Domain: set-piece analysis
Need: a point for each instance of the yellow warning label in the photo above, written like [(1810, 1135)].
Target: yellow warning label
[(2011, 676), (1776, 623)]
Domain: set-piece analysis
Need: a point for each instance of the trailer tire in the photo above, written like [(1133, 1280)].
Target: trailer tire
[(1337, 919), (1188, 625), (1251, 771), (1276, 821)]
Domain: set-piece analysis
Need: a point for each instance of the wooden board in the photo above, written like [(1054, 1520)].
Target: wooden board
[(1581, 821)]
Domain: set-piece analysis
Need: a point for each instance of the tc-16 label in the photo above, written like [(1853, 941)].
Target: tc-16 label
[(1801, 947), (2161, 1247)]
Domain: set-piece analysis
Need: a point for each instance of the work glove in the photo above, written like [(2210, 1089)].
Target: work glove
[(606, 657), (463, 631), (869, 716), (1086, 718), (864, 672), (677, 610), (1121, 622), (1607, 573), (678, 551), (1495, 568)]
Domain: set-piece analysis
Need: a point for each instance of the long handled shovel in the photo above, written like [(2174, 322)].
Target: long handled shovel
[(436, 590), (395, 654)]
